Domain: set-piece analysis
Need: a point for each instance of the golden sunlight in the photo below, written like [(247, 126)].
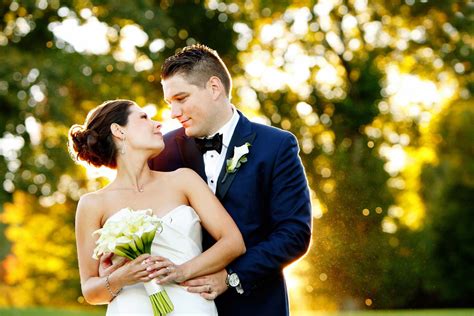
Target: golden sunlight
[(412, 97)]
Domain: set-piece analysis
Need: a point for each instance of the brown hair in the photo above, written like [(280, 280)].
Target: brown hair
[(198, 63), (93, 141)]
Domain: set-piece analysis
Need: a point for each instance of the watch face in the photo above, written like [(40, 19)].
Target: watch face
[(234, 280)]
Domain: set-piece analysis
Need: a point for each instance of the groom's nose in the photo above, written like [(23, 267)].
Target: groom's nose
[(176, 111)]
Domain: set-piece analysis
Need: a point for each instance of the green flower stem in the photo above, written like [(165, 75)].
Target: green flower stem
[(156, 305), (139, 243), (123, 253), (161, 303), (147, 240), (129, 252), (133, 247), (168, 301)]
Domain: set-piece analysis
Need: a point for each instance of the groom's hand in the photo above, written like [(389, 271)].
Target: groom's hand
[(106, 267), (208, 286)]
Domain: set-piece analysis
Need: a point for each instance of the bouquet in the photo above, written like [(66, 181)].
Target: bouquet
[(130, 234)]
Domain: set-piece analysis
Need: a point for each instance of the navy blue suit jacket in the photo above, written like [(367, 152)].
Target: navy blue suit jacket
[(268, 198)]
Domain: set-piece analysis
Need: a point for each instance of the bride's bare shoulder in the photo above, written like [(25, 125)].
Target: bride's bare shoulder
[(182, 174), (90, 202), (179, 176)]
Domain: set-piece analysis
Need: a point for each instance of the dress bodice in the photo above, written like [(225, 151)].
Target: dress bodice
[(181, 237), (180, 241)]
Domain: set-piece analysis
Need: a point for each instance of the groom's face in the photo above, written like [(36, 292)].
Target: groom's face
[(193, 106)]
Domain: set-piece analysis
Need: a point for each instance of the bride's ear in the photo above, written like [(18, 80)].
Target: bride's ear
[(117, 131)]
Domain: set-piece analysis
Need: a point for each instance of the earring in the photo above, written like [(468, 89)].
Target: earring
[(122, 149)]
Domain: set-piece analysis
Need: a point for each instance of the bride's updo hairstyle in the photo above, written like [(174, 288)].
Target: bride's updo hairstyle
[(93, 141)]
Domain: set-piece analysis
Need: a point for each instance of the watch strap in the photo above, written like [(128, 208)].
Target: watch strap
[(229, 272)]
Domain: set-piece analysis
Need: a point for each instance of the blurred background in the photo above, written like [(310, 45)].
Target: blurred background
[(379, 94)]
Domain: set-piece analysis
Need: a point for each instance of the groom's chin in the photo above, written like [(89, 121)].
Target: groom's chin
[(189, 132)]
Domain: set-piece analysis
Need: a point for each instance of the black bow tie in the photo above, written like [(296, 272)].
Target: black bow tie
[(213, 143)]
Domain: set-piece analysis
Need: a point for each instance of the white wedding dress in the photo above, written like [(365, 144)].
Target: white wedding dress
[(179, 241)]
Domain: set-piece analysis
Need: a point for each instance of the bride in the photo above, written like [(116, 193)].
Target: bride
[(119, 134)]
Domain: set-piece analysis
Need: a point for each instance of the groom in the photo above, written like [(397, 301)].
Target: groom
[(255, 172)]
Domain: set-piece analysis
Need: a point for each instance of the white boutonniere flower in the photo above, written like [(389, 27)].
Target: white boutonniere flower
[(237, 160)]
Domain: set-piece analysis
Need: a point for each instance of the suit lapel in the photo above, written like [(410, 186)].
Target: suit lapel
[(242, 134), (191, 156)]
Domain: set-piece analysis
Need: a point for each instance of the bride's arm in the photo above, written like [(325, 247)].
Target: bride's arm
[(217, 222), (87, 221), (95, 288)]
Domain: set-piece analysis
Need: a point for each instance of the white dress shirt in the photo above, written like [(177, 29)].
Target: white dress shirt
[(213, 161)]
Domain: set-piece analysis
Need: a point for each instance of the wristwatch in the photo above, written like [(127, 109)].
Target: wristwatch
[(233, 281)]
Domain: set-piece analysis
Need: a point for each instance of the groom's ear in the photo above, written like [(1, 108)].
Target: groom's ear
[(216, 87), (117, 130)]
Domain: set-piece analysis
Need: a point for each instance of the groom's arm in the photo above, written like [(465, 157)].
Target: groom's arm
[(290, 222), (290, 216)]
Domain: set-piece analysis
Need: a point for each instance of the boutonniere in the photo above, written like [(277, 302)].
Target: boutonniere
[(237, 160)]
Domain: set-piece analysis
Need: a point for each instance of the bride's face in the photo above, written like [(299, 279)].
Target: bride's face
[(142, 133)]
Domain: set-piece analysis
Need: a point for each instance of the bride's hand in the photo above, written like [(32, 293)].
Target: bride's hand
[(166, 271), (134, 271), (106, 266)]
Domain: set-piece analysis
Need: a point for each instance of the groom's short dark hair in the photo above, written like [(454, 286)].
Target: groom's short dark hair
[(197, 63)]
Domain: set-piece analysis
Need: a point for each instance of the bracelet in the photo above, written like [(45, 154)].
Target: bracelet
[(107, 285)]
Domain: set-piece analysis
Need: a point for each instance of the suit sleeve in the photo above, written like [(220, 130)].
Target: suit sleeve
[(291, 220)]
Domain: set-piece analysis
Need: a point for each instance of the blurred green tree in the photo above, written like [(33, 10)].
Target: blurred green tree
[(359, 83), (50, 79), (449, 195)]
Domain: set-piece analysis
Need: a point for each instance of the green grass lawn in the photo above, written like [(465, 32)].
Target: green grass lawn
[(50, 312), (425, 312), (437, 312)]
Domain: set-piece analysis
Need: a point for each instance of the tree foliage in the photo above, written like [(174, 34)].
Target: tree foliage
[(364, 86), (449, 194)]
